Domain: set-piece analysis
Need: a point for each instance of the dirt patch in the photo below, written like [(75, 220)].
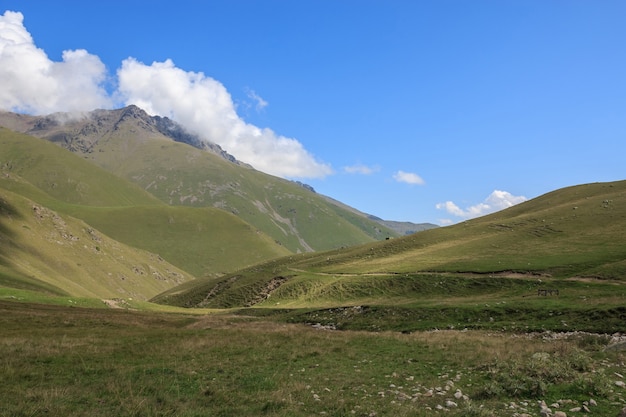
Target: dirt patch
[(271, 286), (218, 288), (118, 303)]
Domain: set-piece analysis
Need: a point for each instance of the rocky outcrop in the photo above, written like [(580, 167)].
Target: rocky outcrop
[(81, 132)]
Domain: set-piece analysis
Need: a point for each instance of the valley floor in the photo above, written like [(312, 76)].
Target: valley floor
[(71, 361)]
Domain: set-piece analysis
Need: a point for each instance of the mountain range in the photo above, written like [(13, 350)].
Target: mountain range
[(120, 204), (145, 183), (148, 151)]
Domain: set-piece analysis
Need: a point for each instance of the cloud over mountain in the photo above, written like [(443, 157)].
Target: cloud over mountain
[(33, 83), (204, 106)]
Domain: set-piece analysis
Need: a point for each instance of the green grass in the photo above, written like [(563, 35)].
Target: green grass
[(201, 241), (572, 233), (58, 254), (65, 176), (64, 361), (204, 241), (259, 217), (179, 174), (456, 306)]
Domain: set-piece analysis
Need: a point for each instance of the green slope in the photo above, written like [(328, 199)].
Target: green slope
[(179, 174), (575, 231), (201, 241), (150, 152), (45, 251), (566, 239), (64, 176)]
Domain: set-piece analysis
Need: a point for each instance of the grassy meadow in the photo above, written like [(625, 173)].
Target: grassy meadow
[(180, 292), (69, 361)]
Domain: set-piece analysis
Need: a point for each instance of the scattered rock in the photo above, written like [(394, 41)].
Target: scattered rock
[(451, 404)]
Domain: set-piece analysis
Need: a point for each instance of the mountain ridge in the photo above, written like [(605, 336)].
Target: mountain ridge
[(80, 132), (179, 170)]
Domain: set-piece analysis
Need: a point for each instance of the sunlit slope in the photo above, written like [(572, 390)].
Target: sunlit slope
[(576, 232), (43, 250), (201, 241), (179, 174), (65, 176), (155, 153)]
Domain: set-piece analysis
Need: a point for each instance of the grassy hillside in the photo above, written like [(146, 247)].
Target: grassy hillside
[(64, 176), (201, 241), (57, 254), (576, 231), (147, 151), (483, 273), (179, 174)]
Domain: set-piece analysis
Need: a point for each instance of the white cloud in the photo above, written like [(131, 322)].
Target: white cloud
[(204, 106), (361, 169), (32, 83), (496, 201), (408, 177)]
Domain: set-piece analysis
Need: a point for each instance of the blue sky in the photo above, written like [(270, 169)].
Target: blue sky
[(424, 111)]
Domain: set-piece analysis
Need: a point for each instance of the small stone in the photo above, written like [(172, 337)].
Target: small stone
[(593, 402), (575, 409), (451, 404), (458, 395), (621, 384), (560, 414), (545, 412)]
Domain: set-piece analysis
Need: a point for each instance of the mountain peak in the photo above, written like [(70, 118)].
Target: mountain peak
[(133, 111), (81, 132)]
